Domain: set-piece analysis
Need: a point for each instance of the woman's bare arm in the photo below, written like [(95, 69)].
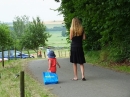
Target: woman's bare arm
[(71, 35), (84, 36)]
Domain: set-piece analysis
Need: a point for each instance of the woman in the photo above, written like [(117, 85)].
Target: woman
[(76, 53)]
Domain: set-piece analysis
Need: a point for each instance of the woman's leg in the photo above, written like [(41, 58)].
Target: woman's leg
[(75, 71), (82, 70)]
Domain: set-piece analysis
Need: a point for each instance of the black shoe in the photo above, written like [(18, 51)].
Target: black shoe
[(83, 79)]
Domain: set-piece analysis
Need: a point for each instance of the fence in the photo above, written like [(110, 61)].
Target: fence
[(58, 53)]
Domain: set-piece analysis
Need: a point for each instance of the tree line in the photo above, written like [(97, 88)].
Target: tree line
[(25, 34), (106, 24), (56, 28)]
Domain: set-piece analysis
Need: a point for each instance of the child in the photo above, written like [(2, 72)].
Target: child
[(52, 62)]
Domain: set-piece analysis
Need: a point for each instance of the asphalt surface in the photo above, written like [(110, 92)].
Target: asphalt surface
[(101, 82)]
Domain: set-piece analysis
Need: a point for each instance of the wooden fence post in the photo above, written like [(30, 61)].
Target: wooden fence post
[(22, 84), (44, 55), (59, 53)]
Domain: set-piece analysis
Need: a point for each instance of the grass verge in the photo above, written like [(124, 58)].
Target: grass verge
[(10, 83), (94, 58)]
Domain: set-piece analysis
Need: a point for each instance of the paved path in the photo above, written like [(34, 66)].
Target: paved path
[(100, 82)]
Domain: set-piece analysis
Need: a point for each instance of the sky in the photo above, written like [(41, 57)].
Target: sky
[(9, 9)]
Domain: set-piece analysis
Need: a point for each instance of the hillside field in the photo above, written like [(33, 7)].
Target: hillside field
[(57, 40)]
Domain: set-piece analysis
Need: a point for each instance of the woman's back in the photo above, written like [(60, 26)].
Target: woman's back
[(77, 41)]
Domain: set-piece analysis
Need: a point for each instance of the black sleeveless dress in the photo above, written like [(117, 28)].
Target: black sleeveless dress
[(76, 51)]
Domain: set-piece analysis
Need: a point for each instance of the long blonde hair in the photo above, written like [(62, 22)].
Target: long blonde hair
[(76, 27)]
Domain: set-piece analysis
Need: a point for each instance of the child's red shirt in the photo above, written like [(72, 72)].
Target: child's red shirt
[(53, 65)]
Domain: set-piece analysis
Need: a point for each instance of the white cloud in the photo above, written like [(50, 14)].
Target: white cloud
[(32, 8)]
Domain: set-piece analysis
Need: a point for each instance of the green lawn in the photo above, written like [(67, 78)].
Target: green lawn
[(57, 40), (54, 25)]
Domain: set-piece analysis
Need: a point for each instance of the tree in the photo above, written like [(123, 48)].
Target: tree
[(63, 33), (35, 35), (105, 22), (19, 25), (5, 39)]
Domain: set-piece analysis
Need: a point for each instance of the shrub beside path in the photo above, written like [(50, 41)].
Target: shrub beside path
[(101, 82)]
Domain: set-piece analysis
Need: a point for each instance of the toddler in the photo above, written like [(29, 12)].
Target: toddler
[(52, 62)]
